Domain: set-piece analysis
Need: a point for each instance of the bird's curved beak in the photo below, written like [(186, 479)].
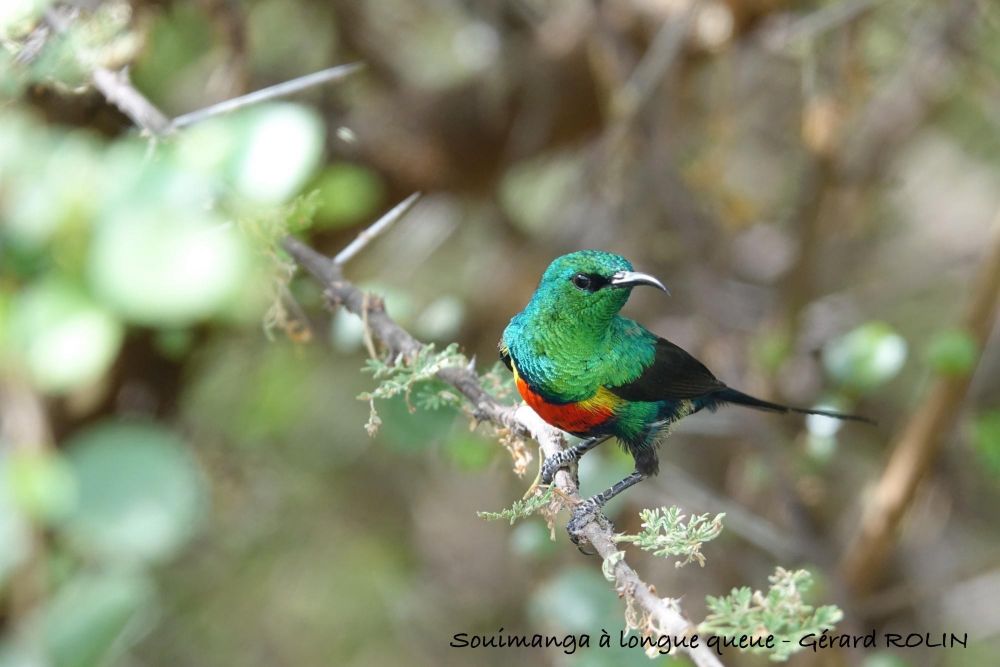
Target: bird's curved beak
[(633, 278)]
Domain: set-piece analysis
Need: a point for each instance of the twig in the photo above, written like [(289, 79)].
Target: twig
[(918, 442), (367, 336), (117, 89), (661, 613), (116, 86), (814, 24), (381, 226), (282, 89)]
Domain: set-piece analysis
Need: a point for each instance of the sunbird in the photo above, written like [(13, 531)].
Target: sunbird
[(592, 373)]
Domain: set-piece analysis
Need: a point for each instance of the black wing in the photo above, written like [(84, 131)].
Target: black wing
[(504, 355), (673, 375), (676, 375)]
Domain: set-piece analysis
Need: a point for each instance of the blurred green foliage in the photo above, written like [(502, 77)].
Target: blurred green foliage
[(986, 439), (866, 357), (952, 352), (533, 192), (348, 194), (181, 484), (95, 617), (885, 660), (578, 600), (137, 236), (125, 495), (140, 495), (41, 485), (62, 336), (101, 238)]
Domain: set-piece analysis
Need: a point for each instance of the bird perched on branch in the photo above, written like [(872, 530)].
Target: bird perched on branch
[(589, 371)]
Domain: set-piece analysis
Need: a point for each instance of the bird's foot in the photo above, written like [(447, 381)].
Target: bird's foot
[(556, 462), (583, 514)]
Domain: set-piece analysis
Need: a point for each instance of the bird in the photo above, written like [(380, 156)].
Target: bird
[(590, 372)]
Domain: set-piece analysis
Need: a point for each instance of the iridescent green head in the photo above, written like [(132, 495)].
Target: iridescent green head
[(592, 285)]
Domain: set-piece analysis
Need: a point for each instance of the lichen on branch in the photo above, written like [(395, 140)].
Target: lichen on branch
[(522, 509), (780, 612), (665, 534), (415, 379)]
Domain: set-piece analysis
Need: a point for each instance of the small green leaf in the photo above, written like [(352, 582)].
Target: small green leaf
[(781, 612), (414, 381), (665, 534), (952, 352), (521, 509)]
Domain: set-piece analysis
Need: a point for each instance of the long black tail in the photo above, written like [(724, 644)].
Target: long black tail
[(729, 395)]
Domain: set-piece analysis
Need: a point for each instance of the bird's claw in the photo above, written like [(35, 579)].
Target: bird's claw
[(587, 511), (553, 464)]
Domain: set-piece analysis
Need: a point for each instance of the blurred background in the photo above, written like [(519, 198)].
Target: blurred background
[(185, 476)]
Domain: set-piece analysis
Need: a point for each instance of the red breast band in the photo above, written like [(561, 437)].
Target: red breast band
[(569, 417)]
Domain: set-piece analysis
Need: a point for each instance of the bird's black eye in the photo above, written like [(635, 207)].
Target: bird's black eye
[(582, 280)]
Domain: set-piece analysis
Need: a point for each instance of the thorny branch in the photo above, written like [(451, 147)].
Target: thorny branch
[(117, 88), (648, 611), (283, 89), (645, 609), (380, 227), (923, 81)]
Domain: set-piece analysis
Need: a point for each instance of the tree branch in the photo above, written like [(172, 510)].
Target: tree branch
[(115, 86), (283, 89), (117, 89), (662, 616), (380, 227)]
